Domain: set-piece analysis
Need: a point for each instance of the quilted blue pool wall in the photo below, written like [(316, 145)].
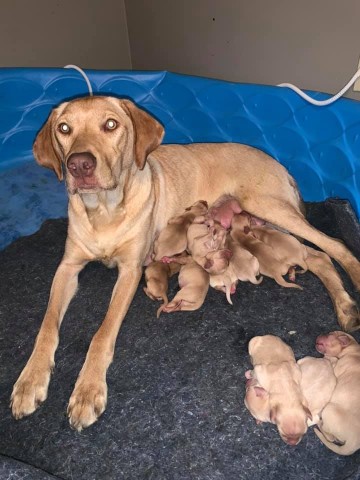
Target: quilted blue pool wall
[(320, 146)]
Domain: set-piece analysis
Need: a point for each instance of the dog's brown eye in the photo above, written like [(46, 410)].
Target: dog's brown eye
[(110, 124), (64, 128)]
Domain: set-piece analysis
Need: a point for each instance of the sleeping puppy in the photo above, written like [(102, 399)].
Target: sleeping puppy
[(157, 276), (279, 377), (194, 285), (268, 349), (257, 399), (243, 266), (339, 427), (317, 384)]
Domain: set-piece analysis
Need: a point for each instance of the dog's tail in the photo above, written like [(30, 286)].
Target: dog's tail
[(345, 449), (230, 288), (280, 280), (162, 306), (228, 292)]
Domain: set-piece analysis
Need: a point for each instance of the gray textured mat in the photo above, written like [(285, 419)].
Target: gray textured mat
[(11, 469), (176, 386)]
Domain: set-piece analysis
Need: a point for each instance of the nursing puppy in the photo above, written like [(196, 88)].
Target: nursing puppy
[(206, 245), (213, 262), (223, 210), (172, 240), (339, 427), (278, 374), (201, 238), (270, 265), (287, 248), (243, 266)]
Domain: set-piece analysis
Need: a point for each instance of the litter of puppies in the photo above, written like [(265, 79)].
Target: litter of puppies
[(324, 392), (219, 246), (222, 245)]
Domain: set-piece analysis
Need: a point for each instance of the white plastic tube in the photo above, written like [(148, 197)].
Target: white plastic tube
[(328, 101), (80, 70)]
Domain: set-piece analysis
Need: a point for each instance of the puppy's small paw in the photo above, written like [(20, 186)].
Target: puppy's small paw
[(86, 404)]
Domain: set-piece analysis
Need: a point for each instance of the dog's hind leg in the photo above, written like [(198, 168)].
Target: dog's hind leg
[(320, 264)]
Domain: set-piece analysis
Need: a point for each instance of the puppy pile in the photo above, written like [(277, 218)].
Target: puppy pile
[(218, 247), (313, 391)]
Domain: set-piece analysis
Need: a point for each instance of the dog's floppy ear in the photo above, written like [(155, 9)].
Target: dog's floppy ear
[(44, 152), (148, 133)]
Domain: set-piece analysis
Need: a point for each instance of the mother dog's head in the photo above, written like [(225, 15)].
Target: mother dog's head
[(94, 139)]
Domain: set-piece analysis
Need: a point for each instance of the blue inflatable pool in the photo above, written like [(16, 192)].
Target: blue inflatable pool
[(320, 146)]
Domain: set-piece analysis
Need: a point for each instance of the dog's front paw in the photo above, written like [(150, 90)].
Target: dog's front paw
[(86, 404), (30, 390)]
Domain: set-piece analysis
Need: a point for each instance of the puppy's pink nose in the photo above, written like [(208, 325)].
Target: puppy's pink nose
[(81, 164), (292, 440), (320, 343)]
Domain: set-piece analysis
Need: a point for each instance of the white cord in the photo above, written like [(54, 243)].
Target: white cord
[(322, 103), (80, 70), (319, 103)]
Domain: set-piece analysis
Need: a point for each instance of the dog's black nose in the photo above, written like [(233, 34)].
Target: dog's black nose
[(81, 164)]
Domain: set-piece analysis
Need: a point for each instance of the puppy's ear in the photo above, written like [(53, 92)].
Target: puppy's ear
[(273, 415), (260, 392), (44, 152), (208, 263), (148, 133), (344, 340), (226, 253), (199, 219), (176, 220)]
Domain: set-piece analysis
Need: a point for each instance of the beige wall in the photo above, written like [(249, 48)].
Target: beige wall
[(54, 33), (312, 43)]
